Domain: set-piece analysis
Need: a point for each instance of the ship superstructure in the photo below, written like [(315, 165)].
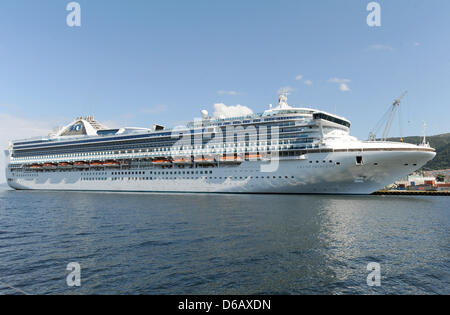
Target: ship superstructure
[(283, 150)]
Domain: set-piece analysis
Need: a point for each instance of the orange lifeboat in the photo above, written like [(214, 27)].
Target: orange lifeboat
[(182, 161), (81, 164), (96, 164), (204, 160), (49, 165), (65, 165), (161, 162), (231, 159), (36, 166), (111, 163), (249, 156)]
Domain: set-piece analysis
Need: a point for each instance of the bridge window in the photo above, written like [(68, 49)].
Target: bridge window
[(332, 119)]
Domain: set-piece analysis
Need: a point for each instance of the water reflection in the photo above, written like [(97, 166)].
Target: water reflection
[(222, 244)]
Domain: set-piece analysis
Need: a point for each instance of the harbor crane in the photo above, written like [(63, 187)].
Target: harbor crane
[(389, 118)]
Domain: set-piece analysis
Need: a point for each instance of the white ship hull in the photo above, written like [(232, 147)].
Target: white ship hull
[(315, 173)]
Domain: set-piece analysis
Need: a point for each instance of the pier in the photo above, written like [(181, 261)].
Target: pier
[(412, 192)]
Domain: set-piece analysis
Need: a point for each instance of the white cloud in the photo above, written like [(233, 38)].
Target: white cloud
[(222, 111), (344, 87), (416, 44), (339, 80), (343, 83), (308, 82), (380, 47), (285, 89), (158, 109), (225, 92), (12, 128), (299, 77)]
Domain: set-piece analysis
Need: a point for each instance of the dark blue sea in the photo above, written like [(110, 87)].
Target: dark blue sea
[(222, 244)]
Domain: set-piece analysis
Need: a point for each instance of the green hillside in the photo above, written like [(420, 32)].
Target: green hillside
[(442, 145)]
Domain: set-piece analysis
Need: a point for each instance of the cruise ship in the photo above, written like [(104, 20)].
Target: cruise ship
[(285, 150)]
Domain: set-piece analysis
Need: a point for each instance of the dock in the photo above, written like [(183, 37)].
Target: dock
[(412, 193)]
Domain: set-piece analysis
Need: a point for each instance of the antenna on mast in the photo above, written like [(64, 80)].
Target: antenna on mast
[(424, 141)]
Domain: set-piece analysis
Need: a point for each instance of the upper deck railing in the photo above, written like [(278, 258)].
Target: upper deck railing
[(189, 125)]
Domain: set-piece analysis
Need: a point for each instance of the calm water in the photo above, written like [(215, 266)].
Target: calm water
[(223, 244)]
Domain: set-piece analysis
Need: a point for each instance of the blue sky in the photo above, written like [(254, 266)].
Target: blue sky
[(138, 62)]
